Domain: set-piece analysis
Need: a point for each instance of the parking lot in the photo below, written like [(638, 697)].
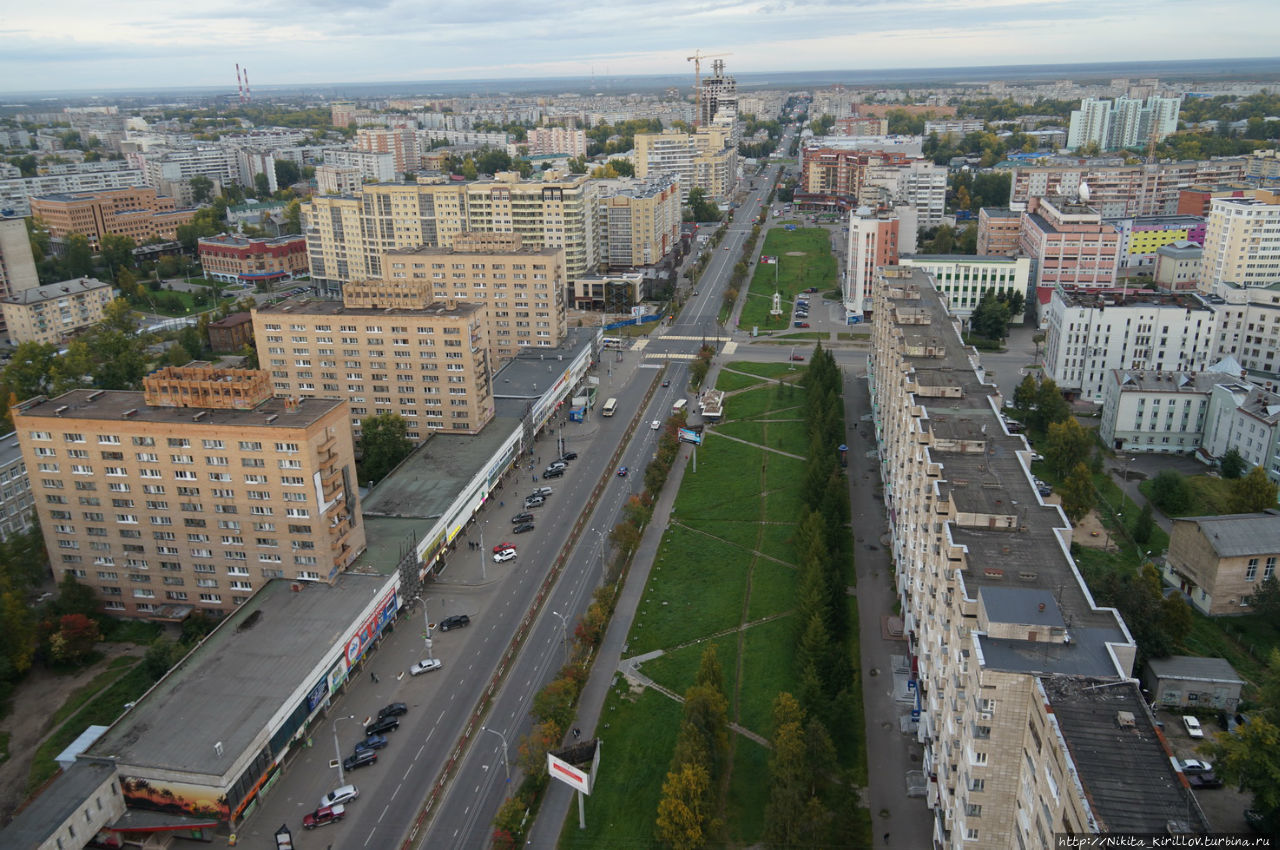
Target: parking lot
[(1225, 806)]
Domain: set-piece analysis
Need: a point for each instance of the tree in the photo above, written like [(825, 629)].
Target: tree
[(1232, 464), (1026, 393), (1249, 757), (990, 318), (1067, 442), (684, 822), (293, 217), (1050, 406), (77, 257), (201, 189), (116, 252), (384, 443), (287, 173), (1078, 495), (262, 185), (75, 638), (699, 208), (1254, 492), (1144, 525), (1266, 600), (531, 752), (1170, 492)]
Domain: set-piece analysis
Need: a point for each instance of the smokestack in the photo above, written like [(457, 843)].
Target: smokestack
[(239, 83), (248, 92)]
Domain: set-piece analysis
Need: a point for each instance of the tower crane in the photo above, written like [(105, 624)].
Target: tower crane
[(696, 59)]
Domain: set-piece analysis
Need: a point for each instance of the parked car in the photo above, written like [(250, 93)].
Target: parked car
[(373, 742), (504, 555), (655, 425), (622, 472), (381, 726), (534, 501), (360, 759), (1204, 781), (1192, 725), (519, 518), (394, 709), (501, 546), (542, 491), (570, 455), (324, 815), (426, 665), (339, 795), (799, 358), (553, 472), (521, 529), (557, 464), (1192, 767), (457, 621), (802, 324)]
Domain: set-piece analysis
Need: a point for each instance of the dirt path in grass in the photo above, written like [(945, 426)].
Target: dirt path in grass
[(34, 702)]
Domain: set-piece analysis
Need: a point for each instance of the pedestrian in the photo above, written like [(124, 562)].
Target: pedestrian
[(373, 676), (501, 504), (577, 733), (535, 479), (886, 838)]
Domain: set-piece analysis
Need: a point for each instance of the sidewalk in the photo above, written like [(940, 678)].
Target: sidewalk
[(891, 752)]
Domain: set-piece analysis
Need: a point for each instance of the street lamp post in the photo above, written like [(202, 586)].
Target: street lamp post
[(564, 631), (483, 554), (506, 766), (601, 536), (426, 625), (337, 751)]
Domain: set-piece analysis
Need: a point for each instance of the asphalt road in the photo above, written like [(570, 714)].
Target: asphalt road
[(496, 597)]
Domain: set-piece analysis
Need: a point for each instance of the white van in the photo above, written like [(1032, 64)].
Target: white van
[(680, 405)]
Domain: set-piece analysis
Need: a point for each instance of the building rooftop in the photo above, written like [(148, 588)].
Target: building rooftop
[(113, 405), (233, 320), (1002, 212), (1118, 296), (1136, 380), (237, 241), (1182, 249), (986, 473), (328, 307), (1123, 762), (1196, 668), (998, 259), (36, 824), (1239, 535), (530, 373), (10, 449), (212, 708), (54, 291)]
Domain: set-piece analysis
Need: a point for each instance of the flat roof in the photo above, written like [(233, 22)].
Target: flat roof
[(202, 716), (328, 307), (1197, 668), (112, 405), (427, 482), (999, 259), (532, 371), (57, 802), (1127, 771), (996, 481), (10, 449)]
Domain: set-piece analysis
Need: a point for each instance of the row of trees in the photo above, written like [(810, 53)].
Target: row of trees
[(993, 312), (619, 138), (1250, 493)]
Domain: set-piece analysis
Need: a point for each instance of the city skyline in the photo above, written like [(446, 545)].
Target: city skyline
[(72, 44)]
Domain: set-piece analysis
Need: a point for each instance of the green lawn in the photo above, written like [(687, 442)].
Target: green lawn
[(117, 668), (766, 370), (148, 305), (730, 381), (1209, 496), (805, 335), (785, 400), (804, 261)]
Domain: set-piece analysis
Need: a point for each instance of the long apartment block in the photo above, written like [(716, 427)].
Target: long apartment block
[(1030, 721), (193, 493), (385, 348)]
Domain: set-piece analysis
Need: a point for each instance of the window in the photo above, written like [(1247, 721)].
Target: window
[(1251, 571)]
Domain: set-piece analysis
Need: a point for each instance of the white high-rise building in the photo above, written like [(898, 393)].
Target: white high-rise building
[(1241, 242), (1123, 123)]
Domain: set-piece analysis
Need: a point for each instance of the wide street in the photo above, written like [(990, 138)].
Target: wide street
[(497, 597)]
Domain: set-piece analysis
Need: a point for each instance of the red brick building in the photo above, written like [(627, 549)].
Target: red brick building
[(835, 171), (240, 259)]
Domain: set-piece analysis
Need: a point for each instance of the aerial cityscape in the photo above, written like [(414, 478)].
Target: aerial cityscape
[(499, 427)]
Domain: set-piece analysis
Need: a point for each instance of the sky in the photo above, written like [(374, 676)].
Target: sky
[(61, 45)]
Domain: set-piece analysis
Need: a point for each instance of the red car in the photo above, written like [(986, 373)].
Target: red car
[(324, 815), (798, 357), (501, 546)]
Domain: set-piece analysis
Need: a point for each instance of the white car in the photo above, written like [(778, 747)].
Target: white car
[(426, 665), (655, 425), (345, 794), (504, 555), (1193, 726)]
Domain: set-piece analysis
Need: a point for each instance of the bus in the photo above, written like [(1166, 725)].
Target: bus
[(611, 342), (609, 407)]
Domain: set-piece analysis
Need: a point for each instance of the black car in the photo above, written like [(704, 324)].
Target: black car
[(666, 382), (525, 517), (457, 621), (360, 759), (522, 528), (1201, 781), (394, 709), (553, 472), (569, 456), (373, 742), (382, 725)]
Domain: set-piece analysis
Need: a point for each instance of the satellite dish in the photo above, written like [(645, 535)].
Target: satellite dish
[(1084, 192)]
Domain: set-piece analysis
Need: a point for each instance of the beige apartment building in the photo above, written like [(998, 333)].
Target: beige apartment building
[(521, 290), (707, 159), (55, 311), (193, 493), (385, 348), (348, 236), (1241, 242), (639, 221), (1021, 688)]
